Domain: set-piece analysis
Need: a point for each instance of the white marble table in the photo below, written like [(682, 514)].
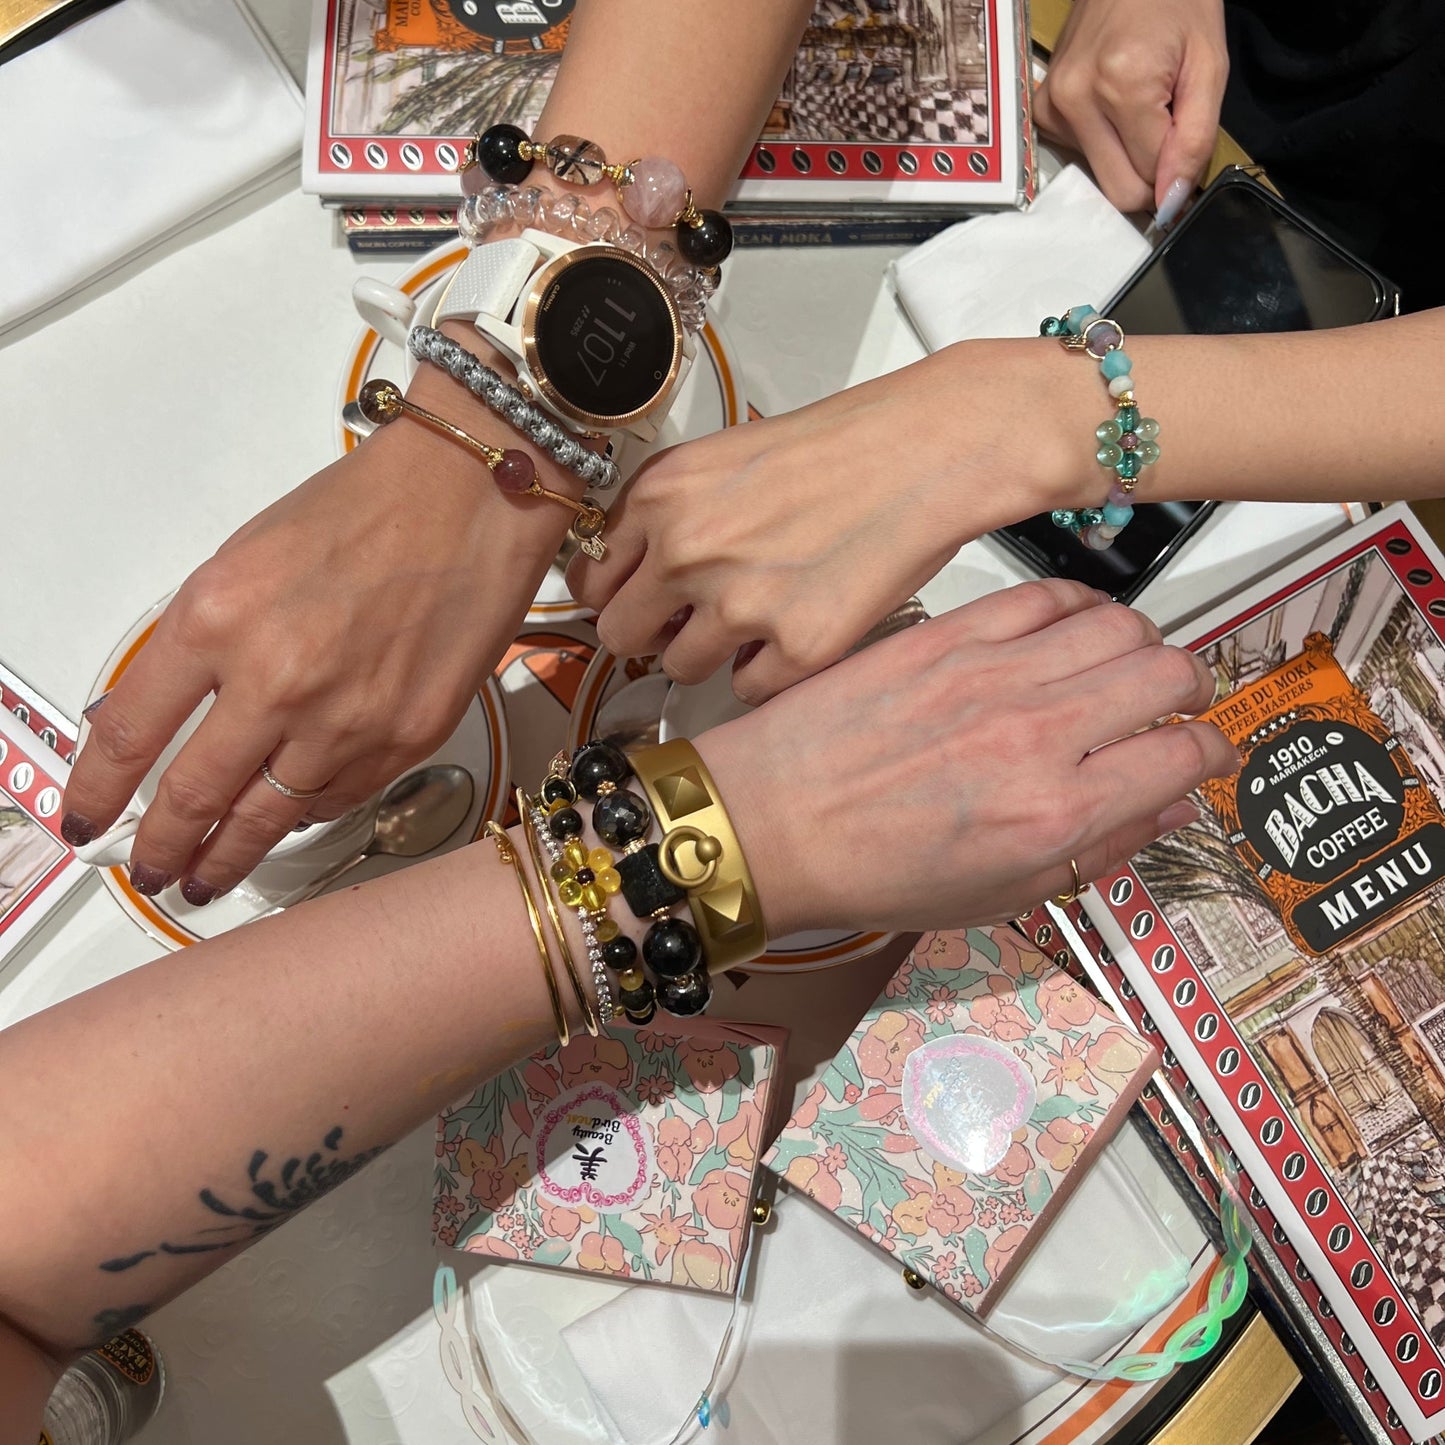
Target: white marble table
[(144, 423)]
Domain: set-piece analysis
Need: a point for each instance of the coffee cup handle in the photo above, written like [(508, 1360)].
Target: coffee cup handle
[(386, 309), (113, 846)]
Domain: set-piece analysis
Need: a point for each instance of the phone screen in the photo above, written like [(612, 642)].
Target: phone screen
[(1241, 264), (1236, 263)]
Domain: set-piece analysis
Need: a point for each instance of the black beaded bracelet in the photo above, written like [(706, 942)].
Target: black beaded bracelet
[(671, 947), (652, 190)]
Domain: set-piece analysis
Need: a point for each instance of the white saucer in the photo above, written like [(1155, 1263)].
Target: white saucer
[(711, 398), (625, 701), (479, 744)]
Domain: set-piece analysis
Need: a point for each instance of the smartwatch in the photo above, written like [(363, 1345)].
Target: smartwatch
[(593, 330)]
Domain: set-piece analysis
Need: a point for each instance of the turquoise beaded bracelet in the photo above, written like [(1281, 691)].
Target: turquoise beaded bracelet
[(1127, 442)]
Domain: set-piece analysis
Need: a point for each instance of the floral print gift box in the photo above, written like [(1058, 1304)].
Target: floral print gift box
[(965, 1105), (633, 1155)]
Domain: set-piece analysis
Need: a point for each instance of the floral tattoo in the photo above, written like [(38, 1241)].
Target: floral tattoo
[(273, 1200)]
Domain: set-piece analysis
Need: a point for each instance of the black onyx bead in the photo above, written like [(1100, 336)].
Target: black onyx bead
[(565, 823), (598, 763), (584, 876), (644, 885), (641, 1015), (620, 817), (499, 153), (558, 790), (709, 242), (685, 996), (636, 998), (672, 948), (619, 953)]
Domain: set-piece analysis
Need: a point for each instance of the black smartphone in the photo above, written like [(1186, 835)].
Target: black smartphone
[(1239, 261)]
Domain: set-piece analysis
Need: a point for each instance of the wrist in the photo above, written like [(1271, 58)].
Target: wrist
[(1046, 414), (761, 827)]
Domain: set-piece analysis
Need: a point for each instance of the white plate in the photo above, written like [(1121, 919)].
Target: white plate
[(624, 701), (478, 744), (711, 398)]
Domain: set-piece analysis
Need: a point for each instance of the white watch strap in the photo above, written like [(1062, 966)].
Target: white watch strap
[(489, 281)]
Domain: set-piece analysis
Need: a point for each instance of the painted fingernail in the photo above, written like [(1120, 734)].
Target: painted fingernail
[(198, 894), (1173, 202), (676, 622), (95, 706), (77, 830), (1177, 815), (745, 654), (148, 880)]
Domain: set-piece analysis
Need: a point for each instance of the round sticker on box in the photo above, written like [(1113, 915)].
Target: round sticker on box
[(591, 1148), (963, 1097)]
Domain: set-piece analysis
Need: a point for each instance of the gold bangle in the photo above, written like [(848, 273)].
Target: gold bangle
[(700, 852), (589, 1013), (382, 402), (508, 855)]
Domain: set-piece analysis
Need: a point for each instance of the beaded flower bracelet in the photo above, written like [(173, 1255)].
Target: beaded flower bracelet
[(1127, 442), (671, 947), (513, 471), (652, 190)]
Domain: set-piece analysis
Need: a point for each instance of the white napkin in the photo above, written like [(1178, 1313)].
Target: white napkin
[(837, 1347), (124, 129), (1001, 274)]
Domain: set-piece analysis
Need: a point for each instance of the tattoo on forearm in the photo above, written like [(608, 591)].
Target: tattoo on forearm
[(275, 1200)]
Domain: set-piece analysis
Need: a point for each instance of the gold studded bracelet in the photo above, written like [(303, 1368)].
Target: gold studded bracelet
[(700, 852)]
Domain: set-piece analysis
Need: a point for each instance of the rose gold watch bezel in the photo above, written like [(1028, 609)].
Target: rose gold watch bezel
[(542, 279)]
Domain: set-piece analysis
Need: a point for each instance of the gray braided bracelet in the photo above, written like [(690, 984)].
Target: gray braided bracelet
[(428, 344)]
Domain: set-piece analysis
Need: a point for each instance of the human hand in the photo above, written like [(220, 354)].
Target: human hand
[(946, 776), (343, 631), (1137, 89), (802, 531)]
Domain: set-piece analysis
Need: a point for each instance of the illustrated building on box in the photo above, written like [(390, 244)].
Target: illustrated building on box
[(888, 71), (1353, 1040), (432, 67)]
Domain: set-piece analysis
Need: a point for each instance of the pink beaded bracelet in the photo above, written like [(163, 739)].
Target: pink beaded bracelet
[(653, 191), (514, 471)]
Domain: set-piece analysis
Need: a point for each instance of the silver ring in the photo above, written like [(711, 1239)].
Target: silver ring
[(284, 790)]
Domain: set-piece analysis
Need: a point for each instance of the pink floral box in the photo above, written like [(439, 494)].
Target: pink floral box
[(962, 1109), (634, 1155)]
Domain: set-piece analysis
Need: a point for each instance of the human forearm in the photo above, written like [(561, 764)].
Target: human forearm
[(198, 1082), (199, 1101), (692, 82), (1304, 416)]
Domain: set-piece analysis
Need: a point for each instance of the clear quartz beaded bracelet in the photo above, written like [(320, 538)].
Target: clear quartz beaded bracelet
[(571, 218)]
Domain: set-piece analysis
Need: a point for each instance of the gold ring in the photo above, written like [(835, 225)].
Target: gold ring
[(1077, 889), (286, 792)]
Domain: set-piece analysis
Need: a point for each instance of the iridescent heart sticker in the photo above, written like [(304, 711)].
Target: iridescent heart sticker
[(963, 1097)]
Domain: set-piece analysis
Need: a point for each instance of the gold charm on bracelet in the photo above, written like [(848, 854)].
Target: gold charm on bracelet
[(706, 849), (513, 470)]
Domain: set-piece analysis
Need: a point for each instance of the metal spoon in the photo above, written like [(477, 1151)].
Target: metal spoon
[(418, 813)]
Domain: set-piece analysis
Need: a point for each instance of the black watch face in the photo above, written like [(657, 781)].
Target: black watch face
[(605, 337)]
